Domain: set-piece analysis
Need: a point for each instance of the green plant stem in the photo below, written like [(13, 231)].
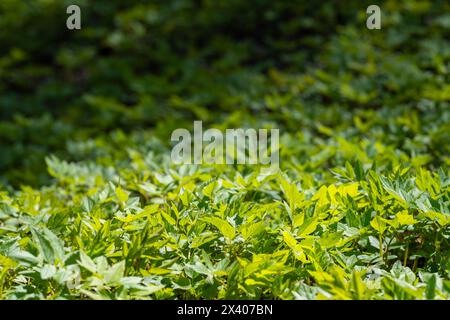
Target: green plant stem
[(380, 240), (405, 259)]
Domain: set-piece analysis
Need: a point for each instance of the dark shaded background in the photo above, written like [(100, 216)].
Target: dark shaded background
[(141, 65)]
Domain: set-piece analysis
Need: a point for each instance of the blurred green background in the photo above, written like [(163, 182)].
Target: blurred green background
[(143, 68)]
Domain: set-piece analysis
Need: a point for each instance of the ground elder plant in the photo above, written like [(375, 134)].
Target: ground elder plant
[(92, 205), (159, 232)]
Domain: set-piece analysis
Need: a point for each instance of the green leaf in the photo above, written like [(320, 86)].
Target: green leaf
[(121, 194), (49, 246), (379, 224), (431, 287), (86, 262), (252, 229), (224, 226), (115, 273)]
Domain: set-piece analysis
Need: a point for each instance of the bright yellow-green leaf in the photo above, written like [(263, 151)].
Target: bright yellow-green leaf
[(252, 229), (294, 246), (121, 194), (208, 190), (224, 226), (405, 219), (378, 224), (168, 218)]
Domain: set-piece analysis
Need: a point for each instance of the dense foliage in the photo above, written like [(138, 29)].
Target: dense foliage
[(92, 207)]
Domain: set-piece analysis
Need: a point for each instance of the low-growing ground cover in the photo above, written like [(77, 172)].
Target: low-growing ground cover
[(92, 207)]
